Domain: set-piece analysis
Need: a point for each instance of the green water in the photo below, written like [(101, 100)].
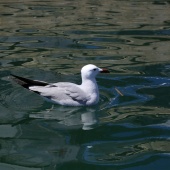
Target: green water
[(51, 41)]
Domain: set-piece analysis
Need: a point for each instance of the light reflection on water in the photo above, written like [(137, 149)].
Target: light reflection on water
[(51, 42)]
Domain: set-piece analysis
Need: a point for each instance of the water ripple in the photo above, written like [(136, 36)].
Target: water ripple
[(132, 92)]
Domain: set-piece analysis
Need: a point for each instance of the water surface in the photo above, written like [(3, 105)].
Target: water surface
[(51, 41)]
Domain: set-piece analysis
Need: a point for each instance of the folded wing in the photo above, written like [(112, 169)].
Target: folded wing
[(62, 93)]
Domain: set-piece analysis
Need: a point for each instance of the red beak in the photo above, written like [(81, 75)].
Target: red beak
[(104, 70)]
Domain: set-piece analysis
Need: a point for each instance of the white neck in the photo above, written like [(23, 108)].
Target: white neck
[(89, 83), (89, 86)]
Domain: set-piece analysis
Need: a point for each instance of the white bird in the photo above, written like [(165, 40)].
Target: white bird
[(66, 93)]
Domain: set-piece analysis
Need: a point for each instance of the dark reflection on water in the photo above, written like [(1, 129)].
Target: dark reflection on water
[(51, 41)]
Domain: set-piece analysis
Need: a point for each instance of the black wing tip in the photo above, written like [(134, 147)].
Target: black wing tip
[(12, 75), (19, 80), (15, 76), (26, 83)]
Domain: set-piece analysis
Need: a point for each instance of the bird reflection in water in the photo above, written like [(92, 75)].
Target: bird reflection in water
[(70, 117)]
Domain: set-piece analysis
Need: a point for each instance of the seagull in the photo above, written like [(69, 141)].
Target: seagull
[(66, 93)]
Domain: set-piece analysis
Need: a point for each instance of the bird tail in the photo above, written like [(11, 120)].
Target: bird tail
[(26, 83)]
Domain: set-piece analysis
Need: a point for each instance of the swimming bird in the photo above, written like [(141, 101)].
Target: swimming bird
[(66, 93)]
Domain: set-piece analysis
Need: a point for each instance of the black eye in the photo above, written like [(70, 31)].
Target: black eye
[(94, 69)]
